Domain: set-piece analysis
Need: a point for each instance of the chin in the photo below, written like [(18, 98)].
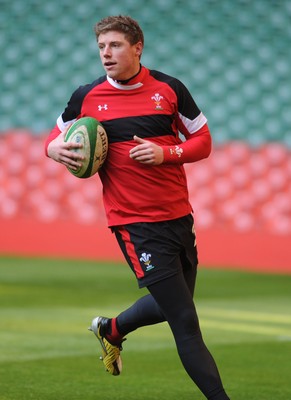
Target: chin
[(116, 76), (112, 76)]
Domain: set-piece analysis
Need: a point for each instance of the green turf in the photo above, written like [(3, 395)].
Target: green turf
[(46, 351)]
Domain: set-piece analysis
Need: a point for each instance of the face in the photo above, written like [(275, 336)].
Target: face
[(120, 59)]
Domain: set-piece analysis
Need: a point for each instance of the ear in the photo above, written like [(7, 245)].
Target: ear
[(139, 49)]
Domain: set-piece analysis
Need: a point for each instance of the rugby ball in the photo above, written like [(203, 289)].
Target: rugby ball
[(92, 135)]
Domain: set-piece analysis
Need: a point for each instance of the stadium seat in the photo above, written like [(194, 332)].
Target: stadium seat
[(222, 188), (258, 165), (275, 153), (9, 208)]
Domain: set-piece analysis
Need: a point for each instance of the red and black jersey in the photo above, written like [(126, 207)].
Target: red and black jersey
[(153, 106)]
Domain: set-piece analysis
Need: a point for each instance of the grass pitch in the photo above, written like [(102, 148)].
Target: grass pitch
[(46, 351)]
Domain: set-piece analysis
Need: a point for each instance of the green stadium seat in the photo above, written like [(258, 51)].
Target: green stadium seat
[(212, 47)]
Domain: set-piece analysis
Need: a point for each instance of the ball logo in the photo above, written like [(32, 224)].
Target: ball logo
[(78, 138), (104, 142)]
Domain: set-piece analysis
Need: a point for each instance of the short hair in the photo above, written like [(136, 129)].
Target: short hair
[(120, 23)]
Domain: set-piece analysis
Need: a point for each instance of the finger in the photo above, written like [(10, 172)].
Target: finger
[(139, 140), (138, 154), (68, 162), (72, 158), (142, 156), (73, 146), (142, 148)]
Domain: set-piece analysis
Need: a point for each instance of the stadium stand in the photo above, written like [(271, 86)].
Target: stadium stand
[(235, 60), (236, 187)]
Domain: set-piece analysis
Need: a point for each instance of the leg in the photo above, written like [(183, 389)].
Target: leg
[(146, 311), (181, 315), (164, 258)]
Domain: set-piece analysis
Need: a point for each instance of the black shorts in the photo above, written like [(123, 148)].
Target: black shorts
[(158, 250)]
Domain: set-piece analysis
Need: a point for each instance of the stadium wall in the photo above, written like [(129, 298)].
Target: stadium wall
[(217, 248)]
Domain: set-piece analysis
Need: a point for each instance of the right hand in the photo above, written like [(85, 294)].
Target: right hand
[(63, 152)]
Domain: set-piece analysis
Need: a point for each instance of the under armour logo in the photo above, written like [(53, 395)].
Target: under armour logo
[(104, 107)]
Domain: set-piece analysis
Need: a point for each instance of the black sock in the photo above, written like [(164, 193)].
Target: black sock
[(144, 311)]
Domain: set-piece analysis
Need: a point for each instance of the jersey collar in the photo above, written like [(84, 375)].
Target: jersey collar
[(134, 83)]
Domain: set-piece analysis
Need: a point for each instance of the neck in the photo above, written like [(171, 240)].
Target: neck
[(126, 81)]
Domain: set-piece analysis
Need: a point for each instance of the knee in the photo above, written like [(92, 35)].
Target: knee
[(188, 323)]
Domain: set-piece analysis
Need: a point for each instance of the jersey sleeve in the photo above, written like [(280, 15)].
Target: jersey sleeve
[(52, 135), (69, 116), (189, 117), (192, 124), (197, 147)]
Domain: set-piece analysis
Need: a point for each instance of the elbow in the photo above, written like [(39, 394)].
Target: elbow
[(205, 141), (207, 145)]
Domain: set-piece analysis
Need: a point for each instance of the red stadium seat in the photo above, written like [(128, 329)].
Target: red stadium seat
[(275, 153), (237, 187)]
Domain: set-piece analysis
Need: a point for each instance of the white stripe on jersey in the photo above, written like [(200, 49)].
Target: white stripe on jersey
[(193, 125), (63, 125)]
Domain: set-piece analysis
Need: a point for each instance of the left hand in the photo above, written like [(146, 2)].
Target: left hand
[(146, 152)]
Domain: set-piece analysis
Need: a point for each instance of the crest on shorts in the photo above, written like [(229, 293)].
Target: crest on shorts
[(146, 260)]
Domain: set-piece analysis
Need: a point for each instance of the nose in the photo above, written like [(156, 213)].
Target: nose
[(106, 52)]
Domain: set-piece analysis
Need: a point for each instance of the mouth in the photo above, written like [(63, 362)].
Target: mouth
[(109, 64)]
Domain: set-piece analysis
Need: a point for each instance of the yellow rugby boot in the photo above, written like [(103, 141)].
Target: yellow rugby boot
[(110, 352)]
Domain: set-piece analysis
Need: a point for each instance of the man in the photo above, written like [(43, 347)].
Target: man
[(145, 192)]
